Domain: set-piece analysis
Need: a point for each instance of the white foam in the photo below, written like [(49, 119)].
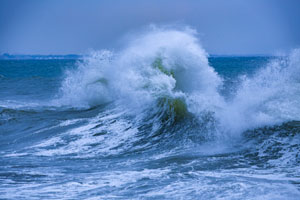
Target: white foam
[(271, 95), (128, 77)]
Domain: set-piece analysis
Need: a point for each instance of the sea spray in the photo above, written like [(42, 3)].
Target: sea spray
[(162, 65), (270, 96), (169, 66)]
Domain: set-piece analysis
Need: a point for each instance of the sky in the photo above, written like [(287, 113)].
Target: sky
[(226, 27)]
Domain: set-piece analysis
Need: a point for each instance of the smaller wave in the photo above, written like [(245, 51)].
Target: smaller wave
[(271, 96), (276, 146), (19, 105)]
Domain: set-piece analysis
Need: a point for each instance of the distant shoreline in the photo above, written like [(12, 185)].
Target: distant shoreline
[(76, 56), (39, 57)]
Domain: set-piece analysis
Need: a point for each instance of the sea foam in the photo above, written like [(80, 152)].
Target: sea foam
[(171, 64)]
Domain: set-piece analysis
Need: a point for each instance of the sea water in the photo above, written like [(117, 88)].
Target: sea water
[(157, 119)]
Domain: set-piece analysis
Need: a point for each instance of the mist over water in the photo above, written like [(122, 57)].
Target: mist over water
[(157, 119)]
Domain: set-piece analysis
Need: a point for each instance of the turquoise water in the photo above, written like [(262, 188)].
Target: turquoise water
[(113, 126)]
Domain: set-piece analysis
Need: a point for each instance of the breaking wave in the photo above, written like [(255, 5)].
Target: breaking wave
[(166, 72)]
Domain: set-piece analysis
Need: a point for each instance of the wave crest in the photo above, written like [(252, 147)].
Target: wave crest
[(157, 64), (167, 71)]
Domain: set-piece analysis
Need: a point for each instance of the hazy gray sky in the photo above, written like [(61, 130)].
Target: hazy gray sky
[(73, 26)]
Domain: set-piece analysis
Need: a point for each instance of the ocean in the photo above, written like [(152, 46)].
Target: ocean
[(158, 119)]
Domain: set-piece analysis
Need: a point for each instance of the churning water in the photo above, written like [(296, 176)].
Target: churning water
[(158, 119)]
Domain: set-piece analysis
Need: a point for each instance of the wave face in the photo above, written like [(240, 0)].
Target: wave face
[(156, 64), (156, 119)]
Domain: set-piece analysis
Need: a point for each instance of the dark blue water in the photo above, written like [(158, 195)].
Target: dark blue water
[(57, 142)]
